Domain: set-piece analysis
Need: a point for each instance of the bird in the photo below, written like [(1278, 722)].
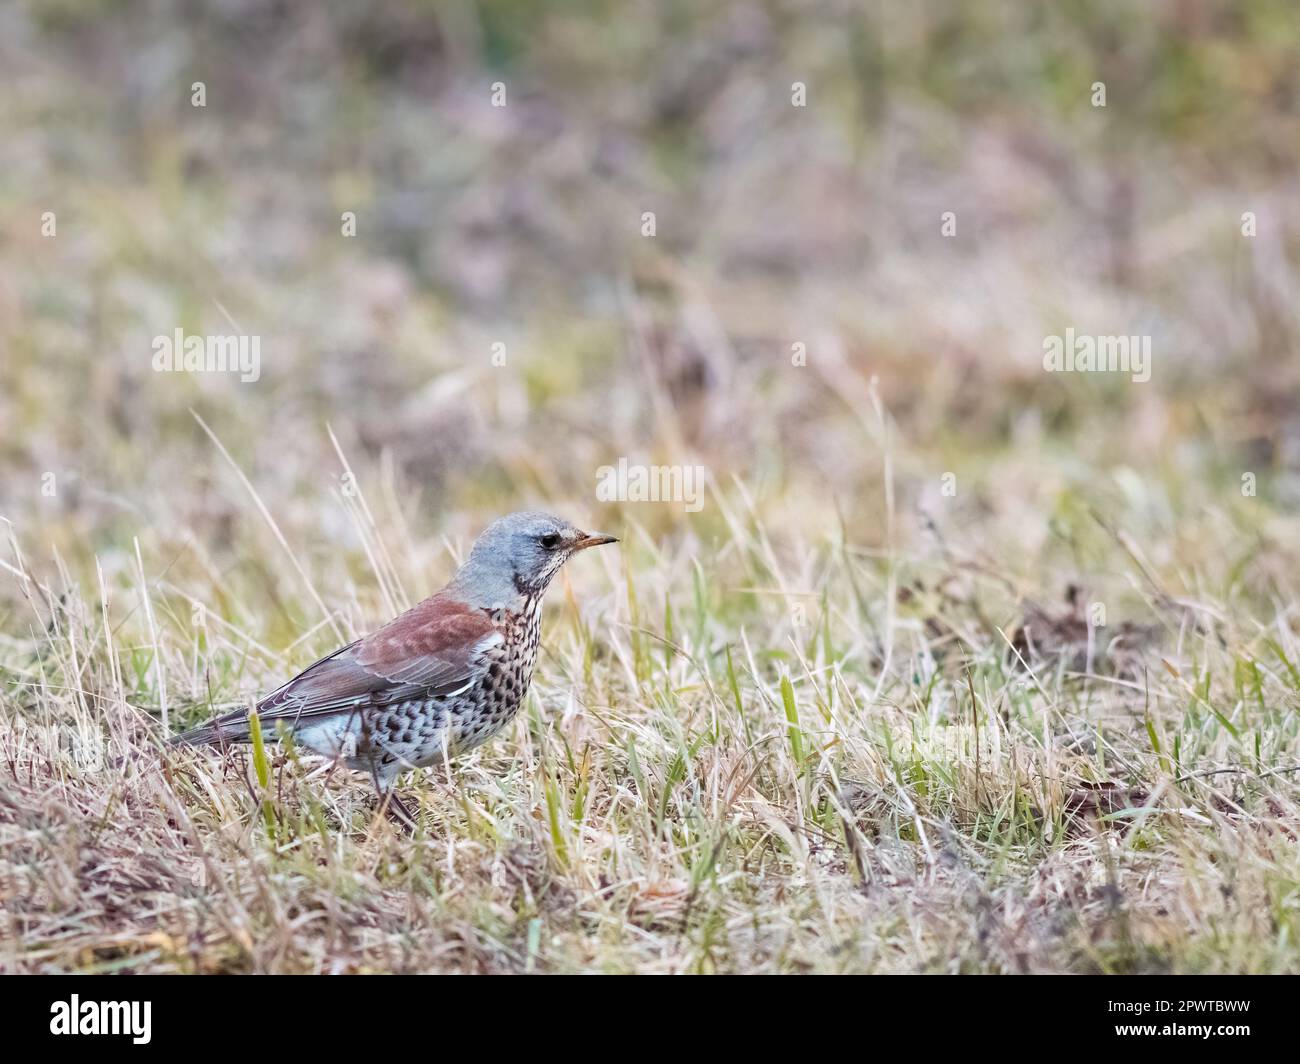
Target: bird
[(437, 681)]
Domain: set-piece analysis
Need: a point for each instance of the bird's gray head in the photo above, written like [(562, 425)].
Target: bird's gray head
[(516, 557)]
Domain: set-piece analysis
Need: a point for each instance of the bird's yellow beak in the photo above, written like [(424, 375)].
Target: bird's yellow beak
[(592, 539)]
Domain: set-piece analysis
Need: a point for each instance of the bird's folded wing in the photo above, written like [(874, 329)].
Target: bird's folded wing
[(436, 649)]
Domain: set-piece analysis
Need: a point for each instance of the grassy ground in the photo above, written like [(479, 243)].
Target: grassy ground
[(743, 752), (962, 666)]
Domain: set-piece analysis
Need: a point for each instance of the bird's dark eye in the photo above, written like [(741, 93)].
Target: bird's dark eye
[(550, 541)]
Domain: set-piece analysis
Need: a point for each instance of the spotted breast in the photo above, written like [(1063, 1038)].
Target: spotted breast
[(509, 672)]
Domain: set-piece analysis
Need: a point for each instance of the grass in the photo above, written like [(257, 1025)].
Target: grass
[(962, 666), (738, 756)]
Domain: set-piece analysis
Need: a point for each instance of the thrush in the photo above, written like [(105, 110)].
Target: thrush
[(437, 681)]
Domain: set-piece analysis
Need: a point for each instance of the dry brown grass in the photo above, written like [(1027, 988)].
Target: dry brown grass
[(646, 814)]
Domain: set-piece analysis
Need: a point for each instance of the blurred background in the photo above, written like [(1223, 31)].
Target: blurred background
[(775, 225)]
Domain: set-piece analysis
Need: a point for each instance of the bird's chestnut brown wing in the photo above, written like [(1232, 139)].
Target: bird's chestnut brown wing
[(434, 649)]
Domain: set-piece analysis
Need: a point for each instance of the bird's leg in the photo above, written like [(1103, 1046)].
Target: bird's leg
[(391, 804)]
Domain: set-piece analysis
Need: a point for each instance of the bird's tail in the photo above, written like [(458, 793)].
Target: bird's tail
[(231, 728)]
